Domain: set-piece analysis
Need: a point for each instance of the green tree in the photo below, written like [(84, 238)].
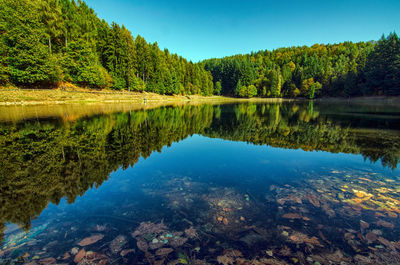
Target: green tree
[(217, 88)]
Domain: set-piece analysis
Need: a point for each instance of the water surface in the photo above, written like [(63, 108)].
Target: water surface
[(289, 183)]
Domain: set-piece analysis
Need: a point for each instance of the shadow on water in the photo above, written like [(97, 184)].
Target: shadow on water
[(200, 209)]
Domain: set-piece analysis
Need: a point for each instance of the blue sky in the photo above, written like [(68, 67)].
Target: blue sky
[(206, 29)]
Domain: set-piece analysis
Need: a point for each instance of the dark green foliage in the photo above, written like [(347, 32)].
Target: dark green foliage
[(382, 71), (345, 69), (45, 42), (230, 71)]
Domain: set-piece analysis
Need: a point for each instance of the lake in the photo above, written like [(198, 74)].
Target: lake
[(286, 183)]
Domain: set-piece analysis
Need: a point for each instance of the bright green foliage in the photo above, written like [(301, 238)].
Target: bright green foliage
[(251, 91), (275, 83), (247, 91), (45, 42), (25, 56), (81, 66), (238, 88), (314, 88), (217, 88)]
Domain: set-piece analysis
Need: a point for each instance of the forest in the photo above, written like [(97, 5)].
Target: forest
[(46, 43), (339, 70)]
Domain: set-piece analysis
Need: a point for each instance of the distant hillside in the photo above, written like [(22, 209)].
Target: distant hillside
[(345, 69)]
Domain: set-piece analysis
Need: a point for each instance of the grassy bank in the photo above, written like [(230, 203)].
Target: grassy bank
[(15, 96), (73, 103)]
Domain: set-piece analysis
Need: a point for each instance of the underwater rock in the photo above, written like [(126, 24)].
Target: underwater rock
[(385, 224), (386, 243), (377, 232), (93, 258), (199, 262), (90, 240), (229, 257), (225, 221), (142, 245), (336, 257), (363, 224), (47, 261), (102, 262), (362, 259), (100, 228), (348, 236), (362, 194), (158, 236), (371, 237), (117, 244), (74, 250), (164, 251), (300, 238), (126, 252), (155, 244), (178, 241), (80, 255), (392, 215), (149, 228), (251, 239), (285, 251), (313, 200), (191, 232), (328, 210), (269, 261), (292, 216), (289, 198), (66, 256)]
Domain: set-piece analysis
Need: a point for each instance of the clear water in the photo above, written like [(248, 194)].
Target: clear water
[(290, 183)]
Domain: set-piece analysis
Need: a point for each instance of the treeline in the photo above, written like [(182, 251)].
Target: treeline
[(345, 69), (47, 42)]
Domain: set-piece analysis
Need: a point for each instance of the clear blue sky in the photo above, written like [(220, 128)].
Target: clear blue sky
[(206, 29)]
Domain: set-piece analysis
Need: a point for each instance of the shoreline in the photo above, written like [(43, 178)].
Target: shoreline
[(24, 97), (12, 96)]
